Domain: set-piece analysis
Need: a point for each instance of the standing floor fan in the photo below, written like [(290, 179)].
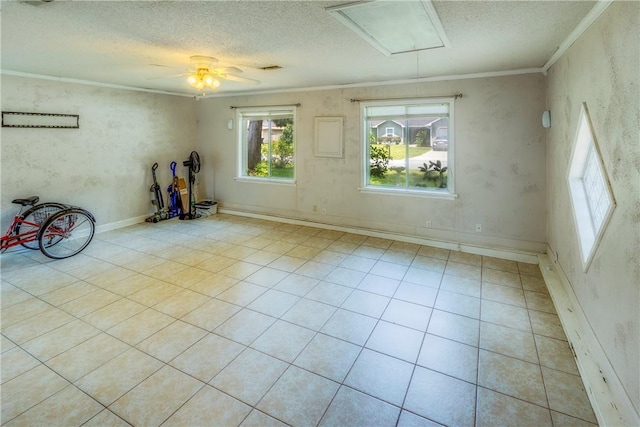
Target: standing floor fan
[(193, 163)]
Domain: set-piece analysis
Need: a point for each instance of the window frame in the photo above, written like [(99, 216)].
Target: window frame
[(447, 193), (585, 144), (241, 166)]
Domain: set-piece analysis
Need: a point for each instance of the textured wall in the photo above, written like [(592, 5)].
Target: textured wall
[(105, 166), (500, 164), (602, 69)]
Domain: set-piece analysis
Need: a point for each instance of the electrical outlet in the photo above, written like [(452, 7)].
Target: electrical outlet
[(315, 208), (324, 211), (478, 228), (428, 224)]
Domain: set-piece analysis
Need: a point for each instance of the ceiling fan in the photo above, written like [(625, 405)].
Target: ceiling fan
[(202, 73)]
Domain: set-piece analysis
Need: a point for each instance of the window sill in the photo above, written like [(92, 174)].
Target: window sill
[(272, 181), (404, 192)]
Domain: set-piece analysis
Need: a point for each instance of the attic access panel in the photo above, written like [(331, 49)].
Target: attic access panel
[(394, 26)]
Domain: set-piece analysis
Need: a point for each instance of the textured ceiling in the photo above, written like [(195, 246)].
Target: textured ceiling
[(141, 43)]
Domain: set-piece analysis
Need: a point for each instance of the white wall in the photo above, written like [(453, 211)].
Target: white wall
[(500, 164), (105, 166), (602, 69)]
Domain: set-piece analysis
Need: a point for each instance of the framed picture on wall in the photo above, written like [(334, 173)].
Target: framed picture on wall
[(329, 133)]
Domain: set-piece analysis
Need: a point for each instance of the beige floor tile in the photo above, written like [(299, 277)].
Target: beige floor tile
[(249, 376), (434, 252), (114, 313), (89, 303), (368, 251), (262, 258), (309, 314), (353, 408), (508, 341), (395, 340), (60, 339), (87, 356), (416, 294), (23, 311), (131, 284), (546, 324), (279, 247), (240, 252), (329, 357), (556, 354), (68, 293), (16, 362), (349, 326), (166, 269), (342, 247), (207, 357), (503, 278), (257, 243), (381, 376), (505, 315), (318, 242), (47, 280), (529, 269), (366, 303), (187, 277), (461, 285), (381, 285), (12, 294), (283, 340), (500, 264), (209, 407), (449, 357), (564, 420), (358, 263), (296, 284), (119, 375), (463, 270), (503, 294), (216, 263), (534, 284), (299, 397), (496, 409), (36, 326), (211, 314), (330, 234), (241, 270), (345, 277), (329, 257), (314, 269), (455, 303), (213, 285), (409, 248), (169, 342), (389, 269), (267, 277), (397, 257), (567, 395), (155, 293), (106, 418), (181, 303), (329, 293), (156, 398), (408, 419), (27, 390), (512, 377), (441, 398), (260, 419), (407, 314), (428, 263), (68, 407), (539, 302), (140, 326), (465, 258), (454, 327), (274, 303), (245, 326), (304, 252)]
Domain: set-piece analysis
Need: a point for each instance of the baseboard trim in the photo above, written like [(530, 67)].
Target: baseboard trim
[(513, 255), (611, 404), (120, 224)]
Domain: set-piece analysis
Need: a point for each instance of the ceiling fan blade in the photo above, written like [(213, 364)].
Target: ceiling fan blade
[(237, 78), (226, 70), (167, 77)]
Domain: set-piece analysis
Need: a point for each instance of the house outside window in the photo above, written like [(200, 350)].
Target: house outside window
[(266, 143), (419, 155)]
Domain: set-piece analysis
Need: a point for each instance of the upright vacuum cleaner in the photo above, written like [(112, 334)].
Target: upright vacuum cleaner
[(156, 199)]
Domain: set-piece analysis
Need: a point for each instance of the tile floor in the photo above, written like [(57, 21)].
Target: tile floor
[(233, 321)]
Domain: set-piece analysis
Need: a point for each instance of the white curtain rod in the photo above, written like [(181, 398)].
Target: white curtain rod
[(233, 107), (456, 96)]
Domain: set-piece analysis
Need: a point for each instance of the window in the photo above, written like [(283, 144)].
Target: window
[(266, 143), (408, 146), (591, 196)]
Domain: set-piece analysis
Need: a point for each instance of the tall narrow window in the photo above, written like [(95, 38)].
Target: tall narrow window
[(266, 143), (408, 146), (591, 196)]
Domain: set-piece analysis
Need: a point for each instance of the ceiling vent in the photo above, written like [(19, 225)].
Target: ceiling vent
[(271, 67)]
